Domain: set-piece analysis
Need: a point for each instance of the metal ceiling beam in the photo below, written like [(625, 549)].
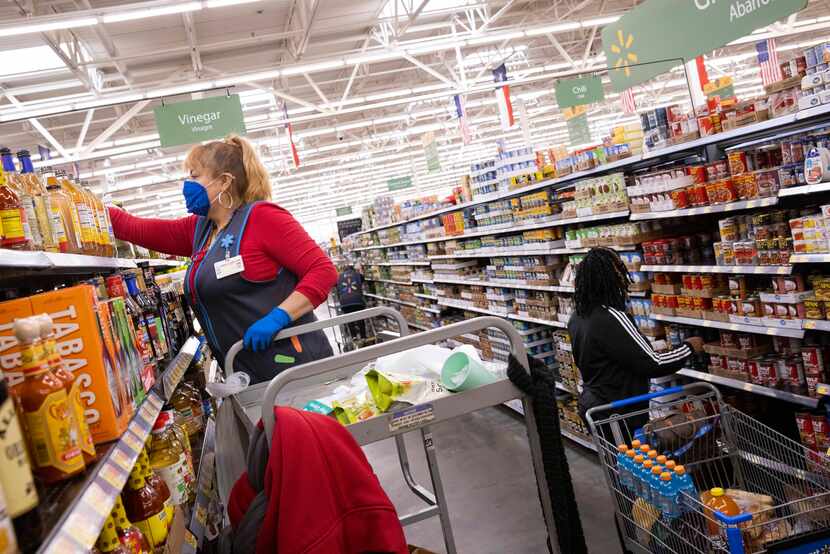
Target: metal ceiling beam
[(316, 88), (195, 55), (43, 131), (116, 125), (84, 129), (497, 15), (413, 15)]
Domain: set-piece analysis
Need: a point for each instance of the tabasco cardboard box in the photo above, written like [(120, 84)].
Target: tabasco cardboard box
[(84, 344), (9, 347)]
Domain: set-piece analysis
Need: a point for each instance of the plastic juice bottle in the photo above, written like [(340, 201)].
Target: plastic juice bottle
[(8, 540), (645, 478), (667, 493), (661, 460), (623, 470), (644, 449), (92, 202), (72, 209), (684, 485), (670, 465), (16, 233), (169, 459), (635, 445), (144, 504), (637, 469), (632, 469), (26, 199), (181, 434), (718, 501), (84, 214), (128, 534), (71, 384), (41, 200), (61, 212), (44, 408), (183, 404), (102, 224), (16, 476), (652, 455), (108, 540)]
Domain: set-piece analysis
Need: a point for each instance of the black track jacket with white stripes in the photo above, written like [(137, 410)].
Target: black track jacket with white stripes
[(615, 359)]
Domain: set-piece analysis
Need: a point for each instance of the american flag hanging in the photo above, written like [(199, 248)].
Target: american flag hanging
[(294, 154), (461, 114), (503, 98), (768, 60), (627, 100)]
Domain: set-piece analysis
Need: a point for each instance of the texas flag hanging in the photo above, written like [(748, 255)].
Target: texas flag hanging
[(290, 137), (503, 98), (461, 114)]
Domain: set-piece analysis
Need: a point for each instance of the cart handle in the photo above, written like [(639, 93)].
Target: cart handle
[(645, 398), (369, 313), (364, 355)]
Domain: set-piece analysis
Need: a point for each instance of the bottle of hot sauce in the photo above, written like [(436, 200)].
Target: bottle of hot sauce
[(44, 408), (72, 386), (131, 538), (16, 233), (108, 542)]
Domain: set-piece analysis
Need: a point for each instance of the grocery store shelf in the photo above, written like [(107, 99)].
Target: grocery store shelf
[(400, 263), (579, 440), (815, 324), (416, 279), (742, 269), (471, 308), (804, 189), (206, 470), (427, 296), (716, 208), (750, 387), (430, 310), (810, 258), (776, 331), (419, 326), (497, 284), (390, 281), (559, 324), (23, 259), (387, 299)]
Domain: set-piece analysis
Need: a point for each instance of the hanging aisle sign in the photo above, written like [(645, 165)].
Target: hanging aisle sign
[(576, 119), (667, 32), (197, 120), (578, 92), (431, 152)]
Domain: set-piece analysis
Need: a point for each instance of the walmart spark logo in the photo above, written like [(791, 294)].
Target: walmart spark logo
[(621, 48)]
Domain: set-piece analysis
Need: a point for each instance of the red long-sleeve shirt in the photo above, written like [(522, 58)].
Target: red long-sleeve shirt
[(273, 239)]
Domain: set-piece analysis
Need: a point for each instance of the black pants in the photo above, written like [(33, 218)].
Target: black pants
[(356, 328)]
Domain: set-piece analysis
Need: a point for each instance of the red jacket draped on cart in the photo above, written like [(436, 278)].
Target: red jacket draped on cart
[(322, 495)]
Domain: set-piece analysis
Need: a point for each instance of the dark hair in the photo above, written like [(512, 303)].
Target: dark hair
[(601, 280)]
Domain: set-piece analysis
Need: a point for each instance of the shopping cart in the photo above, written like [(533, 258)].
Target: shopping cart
[(720, 447), (416, 418)]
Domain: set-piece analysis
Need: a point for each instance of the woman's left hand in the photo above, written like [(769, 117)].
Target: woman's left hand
[(261, 333)]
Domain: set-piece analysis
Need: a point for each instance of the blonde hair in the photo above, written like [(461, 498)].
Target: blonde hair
[(237, 157)]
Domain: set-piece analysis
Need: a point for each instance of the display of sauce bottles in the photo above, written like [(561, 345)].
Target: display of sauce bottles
[(41, 200), (85, 228), (63, 215), (128, 534), (27, 201), (13, 223), (44, 408), (72, 386), (144, 503), (16, 476), (168, 458)]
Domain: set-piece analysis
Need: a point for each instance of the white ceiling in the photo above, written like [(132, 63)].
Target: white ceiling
[(361, 82)]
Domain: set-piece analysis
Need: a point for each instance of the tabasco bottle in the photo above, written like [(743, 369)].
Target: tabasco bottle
[(62, 214), (41, 200), (26, 200), (16, 476), (145, 505), (44, 408), (16, 232), (72, 386)]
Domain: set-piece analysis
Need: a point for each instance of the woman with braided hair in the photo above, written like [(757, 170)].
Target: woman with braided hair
[(615, 359)]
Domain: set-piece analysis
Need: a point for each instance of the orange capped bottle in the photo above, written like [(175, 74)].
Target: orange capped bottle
[(44, 409), (70, 383)]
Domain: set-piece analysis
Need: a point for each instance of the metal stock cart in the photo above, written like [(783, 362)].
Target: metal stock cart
[(719, 447), (248, 405)]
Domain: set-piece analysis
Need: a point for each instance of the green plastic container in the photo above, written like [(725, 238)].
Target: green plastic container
[(462, 372)]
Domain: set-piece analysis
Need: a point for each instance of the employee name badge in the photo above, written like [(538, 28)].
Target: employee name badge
[(229, 266)]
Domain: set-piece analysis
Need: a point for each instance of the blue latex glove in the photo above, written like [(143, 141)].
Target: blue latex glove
[(259, 336)]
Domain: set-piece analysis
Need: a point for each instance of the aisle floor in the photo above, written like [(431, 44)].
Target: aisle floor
[(487, 474)]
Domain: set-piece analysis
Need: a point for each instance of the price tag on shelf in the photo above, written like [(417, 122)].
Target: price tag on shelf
[(122, 459), (98, 499), (113, 475), (823, 389), (84, 526), (132, 441), (63, 543)]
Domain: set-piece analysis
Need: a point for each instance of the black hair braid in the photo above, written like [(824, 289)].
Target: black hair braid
[(601, 280)]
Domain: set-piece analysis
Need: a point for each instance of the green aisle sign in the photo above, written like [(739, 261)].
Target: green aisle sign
[(666, 31), (399, 183), (578, 92), (197, 120), (431, 152), (579, 132), (345, 210)]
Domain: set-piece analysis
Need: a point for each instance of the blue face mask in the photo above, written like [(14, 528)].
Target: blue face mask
[(196, 198)]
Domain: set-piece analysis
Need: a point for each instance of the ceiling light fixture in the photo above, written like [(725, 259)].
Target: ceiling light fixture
[(16, 30), (152, 12)]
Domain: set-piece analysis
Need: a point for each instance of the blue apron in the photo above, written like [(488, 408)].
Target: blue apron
[(227, 307)]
